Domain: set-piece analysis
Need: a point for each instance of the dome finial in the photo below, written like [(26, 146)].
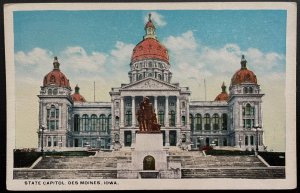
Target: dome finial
[(77, 89), (149, 17), (223, 87), (56, 63), (243, 62)]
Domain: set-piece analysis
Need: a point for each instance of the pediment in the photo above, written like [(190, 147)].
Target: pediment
[(150, 84)]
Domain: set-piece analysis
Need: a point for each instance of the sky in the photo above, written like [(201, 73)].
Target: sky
[(202, 44)]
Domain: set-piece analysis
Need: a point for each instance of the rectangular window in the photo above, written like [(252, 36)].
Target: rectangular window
[(49, 142)]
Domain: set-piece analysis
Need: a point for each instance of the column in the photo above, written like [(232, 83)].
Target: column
[(60, 120), (45, 116), (177, 112), (167, 138), (133, 110), (122, 112), (241, 116), (178, 136), (167, 112), (155, 105), (256, 116), (112, 114), (188, 125)]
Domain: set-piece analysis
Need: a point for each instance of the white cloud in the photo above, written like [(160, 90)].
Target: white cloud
[(185, 42), (157, 18)]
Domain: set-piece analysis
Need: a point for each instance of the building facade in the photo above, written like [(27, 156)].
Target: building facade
[(68, 121)]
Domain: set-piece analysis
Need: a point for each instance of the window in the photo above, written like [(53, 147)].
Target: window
[(140, 76), (198, 122), (150, 64), (55, 91), (245, 90), (250, 90), (117, 104), (215, 121), (224, 142), (102, 122), (49, 91), (246, 140), (76, 123), (183, 122), (55, 141), (183, 104), (248, 109), (171, 104), (207, 121), (150, 74), (191, 122), (85, 122), (49, 141), (53, 118), (93, 122), (128, 138), (159, 76), (161, 117), (172, 118), (224, 121), (128, 118), (117, 121)]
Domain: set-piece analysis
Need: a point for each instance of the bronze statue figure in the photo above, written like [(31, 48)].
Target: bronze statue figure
[(147, 118)]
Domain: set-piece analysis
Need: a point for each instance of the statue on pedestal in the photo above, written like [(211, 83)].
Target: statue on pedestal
[(147, 118)]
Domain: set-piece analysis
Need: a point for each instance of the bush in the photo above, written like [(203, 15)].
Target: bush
[(274, 158), (26, 159), (228, 152)]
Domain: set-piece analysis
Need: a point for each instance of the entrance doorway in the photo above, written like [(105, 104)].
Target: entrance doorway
[(173, 136), (149, 163), (75, 142), (207, 141)]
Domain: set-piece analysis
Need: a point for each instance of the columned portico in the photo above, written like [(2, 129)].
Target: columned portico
[(122, 112), (133, 111), (166, 111)]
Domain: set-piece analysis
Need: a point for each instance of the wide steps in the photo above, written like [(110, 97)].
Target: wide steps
[(65, 174), (76, 163), (249, 173)]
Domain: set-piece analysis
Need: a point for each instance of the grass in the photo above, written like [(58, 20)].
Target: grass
[(26, 159)]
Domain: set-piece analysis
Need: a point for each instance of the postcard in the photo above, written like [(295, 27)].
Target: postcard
[(127, 96)]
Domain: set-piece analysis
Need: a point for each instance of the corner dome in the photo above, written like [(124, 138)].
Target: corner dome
[(150, 47), (243, 75), (76, 97), (223, 96), (56, 77)]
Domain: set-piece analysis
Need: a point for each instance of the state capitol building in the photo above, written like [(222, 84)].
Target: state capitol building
[(67, 120)]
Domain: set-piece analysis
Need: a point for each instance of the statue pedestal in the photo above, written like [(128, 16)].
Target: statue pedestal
[(149, 144)]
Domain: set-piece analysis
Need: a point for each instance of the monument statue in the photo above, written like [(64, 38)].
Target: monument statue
[(147, 118)]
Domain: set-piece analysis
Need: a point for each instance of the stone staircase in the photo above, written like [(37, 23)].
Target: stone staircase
[(71, 162), (64, 174)]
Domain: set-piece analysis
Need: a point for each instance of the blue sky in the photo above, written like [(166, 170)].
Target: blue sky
[(263, 29), (202, 44)]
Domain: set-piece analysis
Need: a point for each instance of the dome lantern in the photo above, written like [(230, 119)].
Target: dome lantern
[(77, 97), (150, 29), (223, 96), (56, 63), (243, 62)]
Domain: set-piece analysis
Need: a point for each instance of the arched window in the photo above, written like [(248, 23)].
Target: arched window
[(49, 91), (224, 121), (159, 77), (172, 118), (191, 122), (150, 65), (93, 122), (246, 140), (109, 122), (198, 122), (150, 74), (49, 141), (248, 109), (207, 121), (53, 118), (161, 118), (140, 77), (183, 120), (245, 90), (76, 123), (55, 91), (85, 122), (117, 121), (250, 90), (102, 122), (215, 121), (128, 118)]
